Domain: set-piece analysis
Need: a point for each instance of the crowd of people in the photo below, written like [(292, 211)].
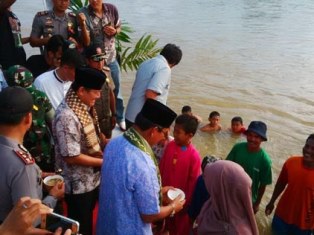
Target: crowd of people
[(57, 113)]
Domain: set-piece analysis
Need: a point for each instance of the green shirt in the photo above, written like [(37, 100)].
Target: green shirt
[(256, 164)]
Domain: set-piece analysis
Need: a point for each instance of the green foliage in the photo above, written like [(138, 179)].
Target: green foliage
[(75, 5), (144, 49)]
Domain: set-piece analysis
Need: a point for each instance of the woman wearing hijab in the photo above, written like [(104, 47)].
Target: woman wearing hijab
[(229, 209)]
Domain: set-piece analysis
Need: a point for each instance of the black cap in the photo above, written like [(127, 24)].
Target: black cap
[(89, 78), (15, 101), (158, 113), (258, 128), (92, 51)]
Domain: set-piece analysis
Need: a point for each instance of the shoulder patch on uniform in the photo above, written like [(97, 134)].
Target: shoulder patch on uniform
[(42, 13), (72, 14), (25, 157)]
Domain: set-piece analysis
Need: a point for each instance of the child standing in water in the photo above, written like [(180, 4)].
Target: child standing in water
[(214, 123), (180, 168)]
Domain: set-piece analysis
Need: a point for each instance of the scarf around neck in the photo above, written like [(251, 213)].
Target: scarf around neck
[(88, 120), (138, 141)]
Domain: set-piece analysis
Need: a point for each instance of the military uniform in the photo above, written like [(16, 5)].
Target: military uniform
[(38, 138), (47, 24)]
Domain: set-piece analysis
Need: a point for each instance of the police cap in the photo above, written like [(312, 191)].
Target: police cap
[(15, 101)]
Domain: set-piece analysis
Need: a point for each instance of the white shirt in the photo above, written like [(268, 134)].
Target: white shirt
[(53, 86)]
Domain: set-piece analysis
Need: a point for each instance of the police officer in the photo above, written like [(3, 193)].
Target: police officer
[(19, 174), (11, 48), (38, 139), (52, 22)]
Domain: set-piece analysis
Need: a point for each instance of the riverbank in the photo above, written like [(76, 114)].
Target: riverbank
[(246, 58)]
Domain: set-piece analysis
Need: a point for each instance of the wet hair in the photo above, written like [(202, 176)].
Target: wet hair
[(237, 119), (54, 43), (172, 53), (214, 114), (188, 123), (311, 137), (186, 109), (208, 160)]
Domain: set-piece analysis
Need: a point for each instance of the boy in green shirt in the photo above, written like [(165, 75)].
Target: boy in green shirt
[(254, 160)]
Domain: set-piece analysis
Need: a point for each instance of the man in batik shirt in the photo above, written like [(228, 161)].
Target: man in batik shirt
[(78, 146)]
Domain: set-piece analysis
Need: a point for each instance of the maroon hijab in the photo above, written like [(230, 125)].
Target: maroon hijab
[(229, 209)]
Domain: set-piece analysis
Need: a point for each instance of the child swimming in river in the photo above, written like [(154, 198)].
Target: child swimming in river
[(188, 110), (214, 123), (237, 126)]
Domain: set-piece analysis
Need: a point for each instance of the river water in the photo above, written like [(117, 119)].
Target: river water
[(241, 57)]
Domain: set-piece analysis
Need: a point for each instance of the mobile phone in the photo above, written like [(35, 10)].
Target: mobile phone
[(53, 221)]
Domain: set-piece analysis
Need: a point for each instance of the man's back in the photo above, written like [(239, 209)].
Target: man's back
[(130, 187), (153, 74)]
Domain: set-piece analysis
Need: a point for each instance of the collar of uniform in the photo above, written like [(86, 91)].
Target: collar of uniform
[(65, 17), (57, 77)]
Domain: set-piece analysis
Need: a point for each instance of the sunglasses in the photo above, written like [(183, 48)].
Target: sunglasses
[(98, 58)]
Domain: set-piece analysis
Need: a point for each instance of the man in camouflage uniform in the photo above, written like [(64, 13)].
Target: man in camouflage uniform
[(38, 139), (56, 21)]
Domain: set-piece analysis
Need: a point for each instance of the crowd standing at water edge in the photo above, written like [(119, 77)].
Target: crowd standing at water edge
[(79, 105)]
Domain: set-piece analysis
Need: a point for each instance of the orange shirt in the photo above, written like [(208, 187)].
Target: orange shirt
[(296, 205)]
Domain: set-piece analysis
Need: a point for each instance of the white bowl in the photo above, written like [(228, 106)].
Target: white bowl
[(174, 193), (51, 180)]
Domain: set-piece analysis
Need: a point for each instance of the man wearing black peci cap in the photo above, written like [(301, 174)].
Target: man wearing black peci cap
[(254, 160), (19, 174), (78, 145), (130, 196)]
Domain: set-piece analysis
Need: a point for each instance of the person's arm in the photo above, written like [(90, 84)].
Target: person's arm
[(112, 108), (85, 160), (150, 94), (279, 188), (204, 128), (36, 39), (195, 171), (38, 42), (22, 217), (261, 191), (25, 40), (165, 211), (85, 36)]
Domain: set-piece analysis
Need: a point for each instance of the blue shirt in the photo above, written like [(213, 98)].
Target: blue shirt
[(129, 187), (153, 74)]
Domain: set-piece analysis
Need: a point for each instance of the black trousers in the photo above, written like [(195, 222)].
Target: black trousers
[(128, 123), (80, 208)]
